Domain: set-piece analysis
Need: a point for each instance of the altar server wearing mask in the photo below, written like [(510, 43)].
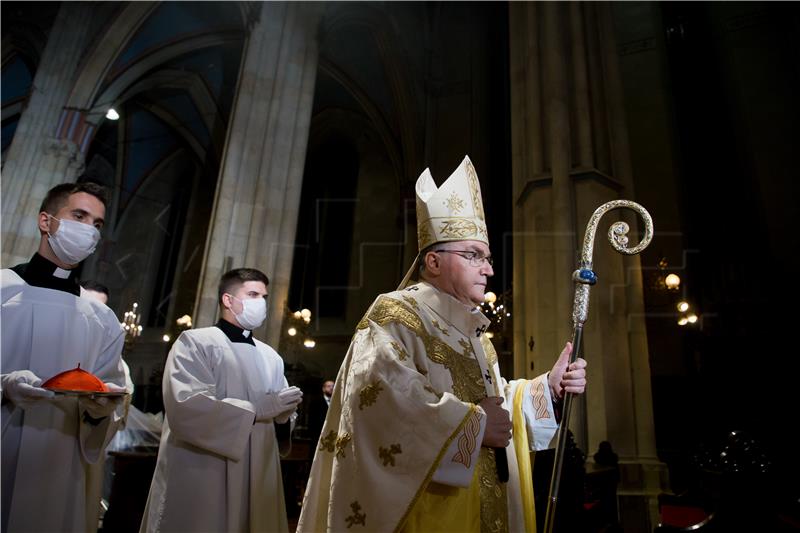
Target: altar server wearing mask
[(49, 440), (218, 465)]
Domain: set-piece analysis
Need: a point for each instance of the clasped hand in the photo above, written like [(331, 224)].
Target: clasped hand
[(278, 405), (498, 423)]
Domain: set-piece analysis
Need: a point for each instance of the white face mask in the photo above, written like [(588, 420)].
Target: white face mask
[(254, 312), (73, 241)]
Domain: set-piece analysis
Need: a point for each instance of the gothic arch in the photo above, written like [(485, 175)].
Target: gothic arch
[(385, 32)]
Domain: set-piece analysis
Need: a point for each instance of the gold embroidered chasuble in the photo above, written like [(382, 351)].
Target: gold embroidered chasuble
[(403, 427)]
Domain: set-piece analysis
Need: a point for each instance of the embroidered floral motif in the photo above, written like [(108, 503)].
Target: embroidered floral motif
[(402, 354), (357, 517), (440, 328), (468, 440), (469, 351), (539, 401), (488, 348), (466, 374), (327, 442), (411, 301), (343, 440), (454, 203), (458, 228), (387, 454), (474, 188), (369, 395), (424, 233)]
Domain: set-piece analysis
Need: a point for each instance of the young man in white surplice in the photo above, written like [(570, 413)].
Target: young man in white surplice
[(50, 441), (218, 465)]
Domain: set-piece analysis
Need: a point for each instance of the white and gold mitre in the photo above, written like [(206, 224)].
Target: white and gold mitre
[(452, 212)]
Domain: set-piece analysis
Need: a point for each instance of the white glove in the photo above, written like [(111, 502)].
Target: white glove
[(274, 404), (102, 406), (20, 387), (288, 414)]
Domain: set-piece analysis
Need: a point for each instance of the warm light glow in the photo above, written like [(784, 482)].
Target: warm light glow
[(130, 323), (672, 281), (292, 332), (165, 338), (489, 335), (683, 321), (490, 297), (692, 318), (185, 321), (683, 307), (305, 313), (307, 320), (297, 314), (308, 343), (112, 114)]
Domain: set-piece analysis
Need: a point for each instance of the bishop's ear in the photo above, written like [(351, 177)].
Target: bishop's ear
[(432, 262)]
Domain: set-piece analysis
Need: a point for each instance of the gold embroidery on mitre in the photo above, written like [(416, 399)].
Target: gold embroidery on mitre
[(475, 189), (343, 440), (468, 440), (327, 442), (369, 395), (357, 517), (424, 234), (458, 228), (387, 454), (454, 203), (452, 212), (494, 507), (465, 372)]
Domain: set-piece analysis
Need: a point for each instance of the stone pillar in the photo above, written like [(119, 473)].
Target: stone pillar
[(258, 193), (40, 156), (570, 154)]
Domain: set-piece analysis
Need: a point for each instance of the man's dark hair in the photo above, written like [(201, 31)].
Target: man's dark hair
[(236, 277), (92, 285), (57, 197)]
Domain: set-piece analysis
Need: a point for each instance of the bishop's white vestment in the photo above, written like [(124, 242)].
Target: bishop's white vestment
[(217, 470), (48, 446), (401, 446)]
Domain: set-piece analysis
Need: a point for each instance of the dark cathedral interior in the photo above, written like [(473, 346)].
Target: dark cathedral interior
[(289, 136)]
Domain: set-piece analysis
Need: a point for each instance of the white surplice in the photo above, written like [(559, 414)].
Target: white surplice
[(47, 447), (216, 469)]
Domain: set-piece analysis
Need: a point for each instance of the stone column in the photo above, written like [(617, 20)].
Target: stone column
[(39, 156), (258, 193), (570, 154)]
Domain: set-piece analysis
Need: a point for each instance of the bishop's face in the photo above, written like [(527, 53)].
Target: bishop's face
[(464, 273)]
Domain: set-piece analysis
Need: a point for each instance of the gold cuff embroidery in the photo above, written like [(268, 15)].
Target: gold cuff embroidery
[(468, 441)]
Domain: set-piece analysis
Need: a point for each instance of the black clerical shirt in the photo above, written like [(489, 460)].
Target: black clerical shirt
[(234, 333), (41, 272)]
